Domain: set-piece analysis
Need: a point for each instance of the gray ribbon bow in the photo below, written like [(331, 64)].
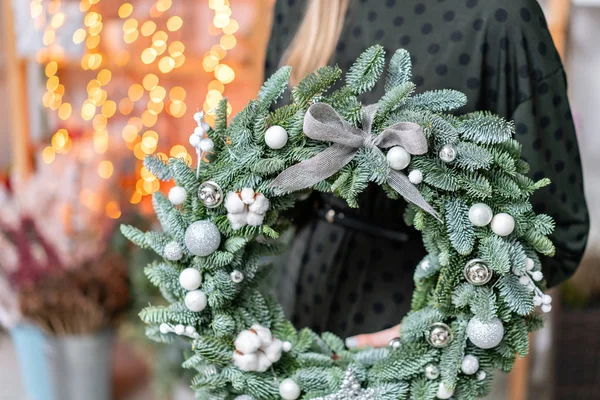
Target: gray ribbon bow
[(323, 123)]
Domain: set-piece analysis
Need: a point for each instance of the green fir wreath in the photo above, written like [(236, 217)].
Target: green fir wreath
[(476, 290)]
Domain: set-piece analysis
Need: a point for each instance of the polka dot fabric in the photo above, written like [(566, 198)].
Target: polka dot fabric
[(500, 54)]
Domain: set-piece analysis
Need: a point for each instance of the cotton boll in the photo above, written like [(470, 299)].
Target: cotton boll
[(263, 362), (273, 351), (254, 219), (265, 335), (245, 362), (260, 205), (247, 195), (247, 342), (234, 203), (237, 220)]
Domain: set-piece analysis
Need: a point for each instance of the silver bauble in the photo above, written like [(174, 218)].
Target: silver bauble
[(202, 238), (480, 214), (469, 365), (448, 153), (173, 251), (485, 334), (477, 272), (439, 335), (350, 390), (210, 194), (394, 344), (237, 276), (432, 371)]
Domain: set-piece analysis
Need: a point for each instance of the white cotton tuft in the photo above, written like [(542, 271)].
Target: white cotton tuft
[(237, 220), (273, 351), (247, 342), (263, 363), (245, 362), (254, 219), (265, 335), (247, 195), (260, 205), (234, 203)]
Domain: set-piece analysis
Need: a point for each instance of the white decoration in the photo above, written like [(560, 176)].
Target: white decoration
[(432, 371), (485, 334), (546, 308), (503, 224), (529, 264), (199, 117), (537, 301), (260, 204), (254, 219), (469, 365), (245, 362), (546, 299), (415, 176), (164, 329), (195, 140), (247, 195), (173, 251), (524, 280), (448, 153), (259, 341), (480, 214), (264, 334), (247, 342), (177, 195), (202, 238), (537, 276), (205, 126), (286, 346), (207, 144), (237, 221), (444, 392), (481, 375), (276, 137), (246, 208), (198, 131), (237, 276), (190, 330), (234, 203), (263, 362), (289, 389), (273, 350), (196, 300), (190, 279), (179, 329), (243, 397), (398, 158)]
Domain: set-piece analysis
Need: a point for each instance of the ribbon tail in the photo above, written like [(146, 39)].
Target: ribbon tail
[(400, 183), (314, 170)]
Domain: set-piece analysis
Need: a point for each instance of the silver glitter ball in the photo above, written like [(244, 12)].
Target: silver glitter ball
[(485, 334), (173, 251), (448, 153), (481, 375), (202, 238), (394, 344), (432, 371), (469, 364), (210, 194), (439, 335), (477, 272), (237, 276), (350, 390)]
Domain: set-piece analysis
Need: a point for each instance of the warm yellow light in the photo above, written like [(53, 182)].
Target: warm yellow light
[(149, 119), (99, 123), (135, 92), (135, 198), (228, 42), (57, 20), (148, 28), (177, 109), (52, 83), (221, 20), (178, 151), (84, 5), (216, 85), (138, 153), (174, 23), (130, 25), (129, 133), (163, 5), (100, 144), (59, 140), (176, 49), (155, 107), (105, 169), (91, 18), (95, 29), (60, 90), (48, 99), (179, 60), (64, 111), (48, 155), (158, 94), (218, 52), (104, 77), (88, 110), (109, 108), (122, 58), (147, 175), (148, 55), (125, 10), (125, 106), (150, 81), (94, 61), (160, 38), (160, 47), (51, 69), (231, 28), (177, 93), (93, 86), (57, 102), (224, 73), (214, 96), (48, 37), (36, 9), (131, 37), (166, 64), (113, 210), (209, 63), (92, 42)]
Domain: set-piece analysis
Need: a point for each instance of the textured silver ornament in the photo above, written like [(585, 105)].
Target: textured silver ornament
[(485, 334), (439, 335), (432, 371), (210, 194), (477, 272), (173, 251), (237, 276), (350, 390), (469, 365), (202, 238), (394, 344), (481, 375), (448, 153)]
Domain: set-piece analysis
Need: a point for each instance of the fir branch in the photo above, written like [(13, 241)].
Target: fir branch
[(399, 70), (315, 84), (158, 168), (274, 87), (485, 128), (472, 157), (365, 72), (460, 229), (439, 100), (515, 295)]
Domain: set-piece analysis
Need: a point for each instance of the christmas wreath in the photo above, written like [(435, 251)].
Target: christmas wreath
[(467, 193)]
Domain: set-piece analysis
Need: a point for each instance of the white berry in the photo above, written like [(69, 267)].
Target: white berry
[(207, 145), (199, 117), (196, 300), (276, 137), (529, 264), (444, 392), (503, 224), (164, 329), (173, 251), (415, 176), (195, 140), (205, 126), (398, 158), (469, 365), (481, 375), (537, 276), (480, 214), (190, 330), (537, 301), (190, 279), (286, 346), (546, 308), (524, 280), (546, 299), (179, 329), (289, 389), (177, 195)]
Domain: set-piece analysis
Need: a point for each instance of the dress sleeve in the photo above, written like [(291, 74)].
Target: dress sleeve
[(544, 126)]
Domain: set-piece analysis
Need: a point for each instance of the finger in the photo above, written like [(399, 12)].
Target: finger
[(377, 339)]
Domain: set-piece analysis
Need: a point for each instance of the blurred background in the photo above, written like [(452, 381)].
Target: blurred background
[(88, 88)]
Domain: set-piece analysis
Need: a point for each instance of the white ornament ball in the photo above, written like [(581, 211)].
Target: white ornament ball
[(485, 334), (276, 137), (398, 158), (247, 342), (245, 362), (195, 140), (537, 301), (179, 329), (432, 371), (481, 375), (289, 389), (503, 224), (415, 176), (546, 299), (243, 397), (237, 276), (444, 392), (207, 144), (173, 251), (177, 195), (164, 329), (205, 126), (537, 276), (480, 214), (190, 279), (546, 308), (524, 280), (202, 238), (448, 153), (469, 365), (286, 346), (190, 330), (529, 264), (196, 300)]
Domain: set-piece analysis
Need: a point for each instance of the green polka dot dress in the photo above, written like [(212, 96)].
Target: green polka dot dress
[(498, 52)]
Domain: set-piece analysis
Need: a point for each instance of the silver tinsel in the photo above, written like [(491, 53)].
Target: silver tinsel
[(439, 335), (477, 272), (469, 365), (202, 238), (485, 335), (237, 276), (210, 194), (448, 153), (432, 371), (350, 389), (394, 344), (173, 251)]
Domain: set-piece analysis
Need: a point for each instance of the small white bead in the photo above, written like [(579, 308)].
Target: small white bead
[(415, 176), (177, 195), (198, 131), (276, 137), (469, 365), (537, 301), (524, 280), (398, 158), (195, 140), (173, 251), (546, 299), (480, 214), (196, 300), (537, 276), (179, 329), (503, 224), (546, 308), (444, 392), (286, 347), (190, 330), (481, 375), (289, 389), (529, 264), (190, 279), (207, 144), (164, 329), (205, 126)]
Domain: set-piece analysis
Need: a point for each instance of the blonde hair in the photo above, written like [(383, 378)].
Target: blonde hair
[(316, 38)]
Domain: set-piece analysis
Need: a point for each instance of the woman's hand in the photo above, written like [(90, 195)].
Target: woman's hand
[(377, 339)]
